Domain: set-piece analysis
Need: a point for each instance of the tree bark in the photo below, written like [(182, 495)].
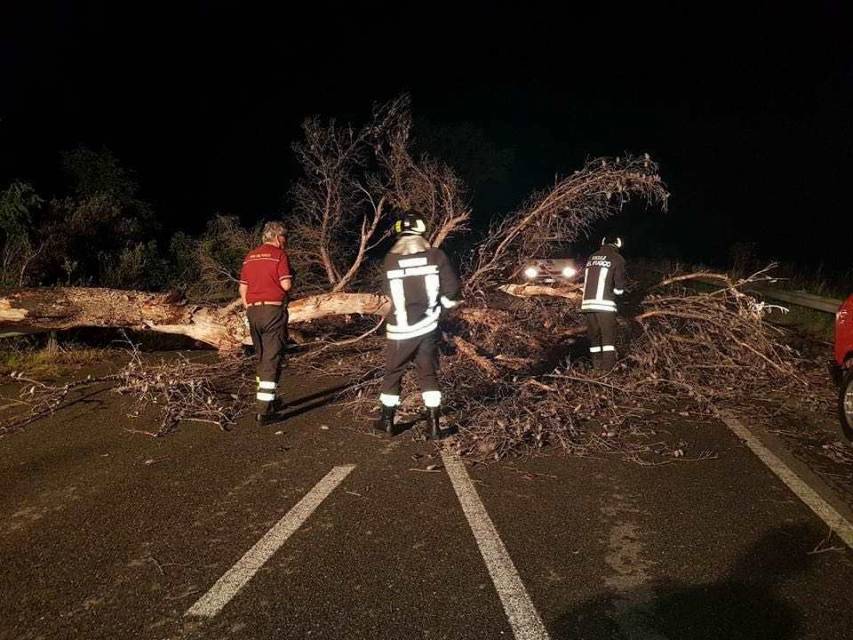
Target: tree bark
[(470, 351), (337, 304), (532, 290), (222, 327)]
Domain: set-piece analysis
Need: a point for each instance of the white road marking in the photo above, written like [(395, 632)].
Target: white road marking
[(237, 576), (523, 618), (804, 492)]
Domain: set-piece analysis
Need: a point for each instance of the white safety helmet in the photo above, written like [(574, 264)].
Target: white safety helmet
[(616, 241)]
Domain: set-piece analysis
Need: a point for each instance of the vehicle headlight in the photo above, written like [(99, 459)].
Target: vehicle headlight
[(531, 272), (569, 272)]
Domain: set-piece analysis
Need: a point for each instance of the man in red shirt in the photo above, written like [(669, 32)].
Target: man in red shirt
[(265, 280)]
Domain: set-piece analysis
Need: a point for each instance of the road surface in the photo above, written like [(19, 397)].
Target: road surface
[(316, 528)]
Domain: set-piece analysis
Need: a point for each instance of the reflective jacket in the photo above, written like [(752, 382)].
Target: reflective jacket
[(419, 281), (603, 280)]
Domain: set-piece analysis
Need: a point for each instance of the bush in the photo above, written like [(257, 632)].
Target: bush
[(17, 204), (208, 268)]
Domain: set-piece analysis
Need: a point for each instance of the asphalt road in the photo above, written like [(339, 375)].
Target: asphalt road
[(109, 534)]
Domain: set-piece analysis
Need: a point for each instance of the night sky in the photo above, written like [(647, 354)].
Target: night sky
[(748, 111)]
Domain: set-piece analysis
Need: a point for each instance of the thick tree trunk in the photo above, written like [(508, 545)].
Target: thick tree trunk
[(218, 326), (46, 309), (533, 290), (337, 304)]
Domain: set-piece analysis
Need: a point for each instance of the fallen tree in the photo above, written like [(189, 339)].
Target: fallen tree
[(219, 326), (508, 391), (481, 339), (596, 192), (222, 327), (532, 290), (511, 392)]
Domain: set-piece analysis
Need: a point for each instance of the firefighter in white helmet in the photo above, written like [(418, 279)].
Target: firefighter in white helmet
[(604, 282), (420, 283)]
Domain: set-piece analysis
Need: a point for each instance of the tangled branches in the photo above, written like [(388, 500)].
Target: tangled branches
[(421, 184), (564, 213), (37, 400), (507, 392), (354, 178), (702, 350), (690, 351), (216, 392), (687, 349), (714, 346)]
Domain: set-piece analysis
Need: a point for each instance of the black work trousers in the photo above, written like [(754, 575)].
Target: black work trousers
[(601, 331), (423, 350), (268, 327)]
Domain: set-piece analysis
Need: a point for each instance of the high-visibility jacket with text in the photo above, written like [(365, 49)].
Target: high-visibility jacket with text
[(419, 286), (604, 280)]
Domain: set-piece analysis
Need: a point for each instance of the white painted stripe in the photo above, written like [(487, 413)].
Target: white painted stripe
[(237, 576), (447, 303), (608, 347), (523, 618), (595, 349), (264, 396), (804, 492), (395, 273), (266, 384), (595, 307)]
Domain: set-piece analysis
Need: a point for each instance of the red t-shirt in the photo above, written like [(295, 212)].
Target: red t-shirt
[(263, 270)]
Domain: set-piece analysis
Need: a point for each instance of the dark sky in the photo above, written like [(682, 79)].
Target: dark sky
[(748, 111)]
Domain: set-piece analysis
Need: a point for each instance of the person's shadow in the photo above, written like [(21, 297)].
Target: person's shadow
[(744, 605)]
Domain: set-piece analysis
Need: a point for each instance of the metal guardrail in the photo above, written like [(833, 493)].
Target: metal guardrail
[(799, 298), (802, 299)]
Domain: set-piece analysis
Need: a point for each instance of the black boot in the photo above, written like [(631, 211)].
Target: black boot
[(433, 417), (386, 421), (264, 419), (269, 413), (608, 360)]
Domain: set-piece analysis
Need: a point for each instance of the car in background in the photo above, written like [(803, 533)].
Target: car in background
[(557, 266), (843, 365), (551, 271)]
